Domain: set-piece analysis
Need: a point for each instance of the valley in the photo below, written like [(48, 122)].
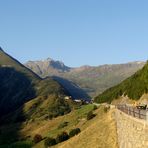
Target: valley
[(90, 80), (38, 112), (73, 74)]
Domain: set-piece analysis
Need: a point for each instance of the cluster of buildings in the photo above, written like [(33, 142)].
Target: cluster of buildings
[(84, 101)]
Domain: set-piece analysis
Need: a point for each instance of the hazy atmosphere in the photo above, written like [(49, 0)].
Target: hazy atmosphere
[(79, 32)]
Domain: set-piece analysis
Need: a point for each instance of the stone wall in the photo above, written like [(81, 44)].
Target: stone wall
[(132, 132)]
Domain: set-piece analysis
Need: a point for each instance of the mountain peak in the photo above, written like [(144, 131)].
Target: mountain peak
[(49, 59), (54, 61), (47, 64)]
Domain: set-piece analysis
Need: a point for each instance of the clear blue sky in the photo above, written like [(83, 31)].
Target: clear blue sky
[(77, 32)]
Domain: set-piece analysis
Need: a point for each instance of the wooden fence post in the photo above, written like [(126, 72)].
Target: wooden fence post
[(147, 116), (139, 114)]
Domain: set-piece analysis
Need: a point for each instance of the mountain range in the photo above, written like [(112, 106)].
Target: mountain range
[(133, 87), (91, 80)]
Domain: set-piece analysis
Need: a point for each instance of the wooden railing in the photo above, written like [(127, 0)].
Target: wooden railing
[(133, 111)]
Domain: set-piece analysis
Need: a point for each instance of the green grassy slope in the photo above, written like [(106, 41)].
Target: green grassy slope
[(134, 87), (98, 132), (23, 133)]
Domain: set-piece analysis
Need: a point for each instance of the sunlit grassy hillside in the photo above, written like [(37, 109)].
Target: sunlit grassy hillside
[(99, 132)]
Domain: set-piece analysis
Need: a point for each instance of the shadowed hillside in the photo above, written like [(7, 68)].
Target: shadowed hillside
[(15, 89), (25, 98), (75, 91), (19, 84)]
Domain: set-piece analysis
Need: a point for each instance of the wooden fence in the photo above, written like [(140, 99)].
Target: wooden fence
[(133, 111)]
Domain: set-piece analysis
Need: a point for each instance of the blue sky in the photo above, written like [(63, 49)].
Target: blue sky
[(77, 32)]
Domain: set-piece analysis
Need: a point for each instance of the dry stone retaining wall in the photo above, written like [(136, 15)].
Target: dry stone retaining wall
[(132, 132)]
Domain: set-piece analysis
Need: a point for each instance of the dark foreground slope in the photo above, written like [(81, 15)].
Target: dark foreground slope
[(17, 84), (133, 87), (26, 98)]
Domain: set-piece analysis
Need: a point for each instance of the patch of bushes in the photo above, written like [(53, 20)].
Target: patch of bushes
[(62, 137), (37, 138), (74, 132), (50, 116), (106, 109), (49, 142), (90, 115), (95, 107), (62, 125), (59, 108)]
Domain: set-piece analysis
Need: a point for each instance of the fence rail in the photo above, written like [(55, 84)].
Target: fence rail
[(133, 111)]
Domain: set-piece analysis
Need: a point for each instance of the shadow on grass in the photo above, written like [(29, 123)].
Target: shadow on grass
[(74, 90), (15, 89)]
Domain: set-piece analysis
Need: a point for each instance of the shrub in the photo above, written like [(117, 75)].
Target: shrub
[(90, 115), (62, 137), (50, 116), (59, 108), (74, 132), (63, 124), (37, 138), (49, 142), (106, 108), (95, 107)]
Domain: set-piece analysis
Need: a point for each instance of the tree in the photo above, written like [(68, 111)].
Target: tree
[(49, 142), (90, 115), (62, 137), (74, 132), (37, 138)]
